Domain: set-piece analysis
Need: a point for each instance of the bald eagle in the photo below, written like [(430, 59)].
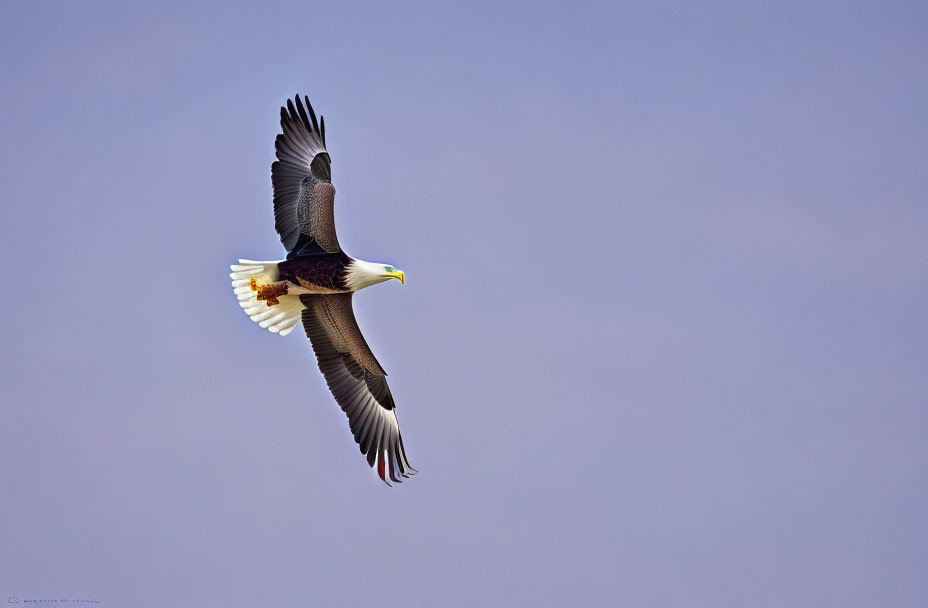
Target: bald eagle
[(314, 286)]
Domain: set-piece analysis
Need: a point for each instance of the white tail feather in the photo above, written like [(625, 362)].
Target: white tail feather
[(279, 318)]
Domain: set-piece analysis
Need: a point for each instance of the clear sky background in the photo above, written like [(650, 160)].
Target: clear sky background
[(663, 340)]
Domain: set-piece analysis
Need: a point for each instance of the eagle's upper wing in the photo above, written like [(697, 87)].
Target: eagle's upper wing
[(357, 380), (304, 197)]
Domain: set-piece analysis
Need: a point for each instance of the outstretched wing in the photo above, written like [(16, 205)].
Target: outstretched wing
[(357, 381), (304, 197)]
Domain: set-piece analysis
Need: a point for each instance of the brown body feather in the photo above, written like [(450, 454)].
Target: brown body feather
[(328, 270)]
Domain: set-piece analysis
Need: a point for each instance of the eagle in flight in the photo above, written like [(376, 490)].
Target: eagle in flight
[(315, 284)]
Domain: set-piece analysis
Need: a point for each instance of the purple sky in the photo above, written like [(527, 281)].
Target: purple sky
[(663, 340)]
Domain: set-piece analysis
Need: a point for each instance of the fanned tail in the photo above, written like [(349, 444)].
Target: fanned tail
[(279, 318)]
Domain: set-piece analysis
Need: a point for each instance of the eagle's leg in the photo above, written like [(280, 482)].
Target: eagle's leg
[(271, 291)]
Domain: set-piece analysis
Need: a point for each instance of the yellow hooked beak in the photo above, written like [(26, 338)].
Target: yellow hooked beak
[(399, 274)]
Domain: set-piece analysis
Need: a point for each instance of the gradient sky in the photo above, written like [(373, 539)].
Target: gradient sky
[(663, 340)]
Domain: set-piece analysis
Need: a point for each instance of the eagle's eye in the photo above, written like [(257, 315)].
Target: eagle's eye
[(389, 268)]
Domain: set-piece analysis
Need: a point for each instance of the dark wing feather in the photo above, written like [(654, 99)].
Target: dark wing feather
[(302, 163), (357, 381), (315, 217)]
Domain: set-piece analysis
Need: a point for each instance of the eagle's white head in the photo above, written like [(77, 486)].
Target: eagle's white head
[(363, 274)]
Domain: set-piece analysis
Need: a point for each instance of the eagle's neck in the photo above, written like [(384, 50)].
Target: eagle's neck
[(360, 274)]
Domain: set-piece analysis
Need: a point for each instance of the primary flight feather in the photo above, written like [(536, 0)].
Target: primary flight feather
[(314, 286)]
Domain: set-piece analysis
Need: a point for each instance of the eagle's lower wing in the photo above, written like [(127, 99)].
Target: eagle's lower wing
[(357, 381), (304, 197)]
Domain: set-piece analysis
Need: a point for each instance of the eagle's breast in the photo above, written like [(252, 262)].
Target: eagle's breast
[(318, 273)]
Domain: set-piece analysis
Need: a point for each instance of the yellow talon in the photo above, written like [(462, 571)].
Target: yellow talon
[(253, 283), (271, 291)]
